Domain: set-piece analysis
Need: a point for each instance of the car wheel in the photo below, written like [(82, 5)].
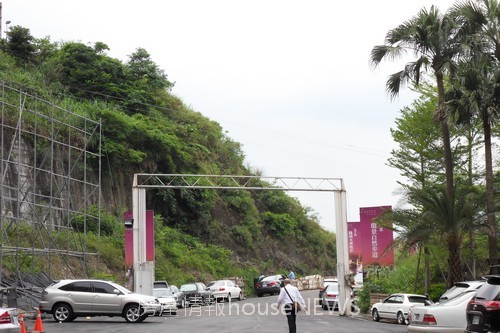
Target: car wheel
[(259, 295), (133, 313), (375, 315), (240, 296), (142, 318), (63, 312), (401, 318), (325, 306)]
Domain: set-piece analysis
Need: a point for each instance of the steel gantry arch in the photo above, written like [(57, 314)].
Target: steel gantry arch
[(144, 270)]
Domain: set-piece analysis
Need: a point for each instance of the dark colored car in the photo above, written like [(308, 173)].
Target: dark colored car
[(196, 294), (269, 285), (483, 310)]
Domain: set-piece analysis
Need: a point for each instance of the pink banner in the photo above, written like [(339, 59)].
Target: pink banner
[(375, 239), (355, 247), (129, 241), (129, 238)]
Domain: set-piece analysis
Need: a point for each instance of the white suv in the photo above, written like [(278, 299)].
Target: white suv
[(68, 299)]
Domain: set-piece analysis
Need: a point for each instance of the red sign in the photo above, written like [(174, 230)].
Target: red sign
[(129, 238)]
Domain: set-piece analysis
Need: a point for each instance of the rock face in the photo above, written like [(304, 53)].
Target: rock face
[(44, 181)]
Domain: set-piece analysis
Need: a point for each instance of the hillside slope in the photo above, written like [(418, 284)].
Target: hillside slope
[(146, 129)]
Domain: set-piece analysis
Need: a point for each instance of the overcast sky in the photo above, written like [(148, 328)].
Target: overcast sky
[(289, 80)]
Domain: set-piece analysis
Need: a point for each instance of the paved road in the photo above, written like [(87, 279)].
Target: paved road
[(258, 315)]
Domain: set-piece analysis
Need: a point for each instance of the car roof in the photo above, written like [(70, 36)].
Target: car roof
[(408, 295)]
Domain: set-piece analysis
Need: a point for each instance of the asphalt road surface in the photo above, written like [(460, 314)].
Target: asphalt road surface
[(259, 315)]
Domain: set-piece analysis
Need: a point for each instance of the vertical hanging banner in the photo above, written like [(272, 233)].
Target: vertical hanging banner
[(375, 239), (128, 217), (355, 247), (129, 237)]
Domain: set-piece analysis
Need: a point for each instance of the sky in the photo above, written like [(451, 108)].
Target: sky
[(290, 80)]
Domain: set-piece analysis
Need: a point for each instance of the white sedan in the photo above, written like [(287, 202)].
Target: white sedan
[(9, 320), (396, 307), (447, 317), (167, 301), (225, 289)]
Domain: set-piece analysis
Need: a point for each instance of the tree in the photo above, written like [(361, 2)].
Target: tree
[(20, 44), (88, 73), (147, 82), (419, 153), (477, 94), (431, 36)]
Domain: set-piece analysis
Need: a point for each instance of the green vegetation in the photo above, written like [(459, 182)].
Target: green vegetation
[(446, 144), (200, 234), (449, 193)]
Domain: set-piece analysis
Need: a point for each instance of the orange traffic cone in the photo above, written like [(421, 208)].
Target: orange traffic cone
[(21, 323), (38, 323)]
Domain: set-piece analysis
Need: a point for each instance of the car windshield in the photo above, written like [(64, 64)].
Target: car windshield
[(418, 299), (457, 289), (120, 288), (162, 292), (188, 287), (272, 278), (463, 297), (333, 287), (216, 284), (490, 290)]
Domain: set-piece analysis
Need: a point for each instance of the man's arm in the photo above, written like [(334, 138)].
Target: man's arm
[(281, 297)]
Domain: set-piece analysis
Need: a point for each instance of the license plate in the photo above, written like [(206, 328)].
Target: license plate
[(475, 320)]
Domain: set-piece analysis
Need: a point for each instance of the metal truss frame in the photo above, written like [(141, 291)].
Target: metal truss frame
[(144, 270)]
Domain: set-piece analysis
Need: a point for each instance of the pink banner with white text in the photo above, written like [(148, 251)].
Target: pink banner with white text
[(375, 239), (367, 242)]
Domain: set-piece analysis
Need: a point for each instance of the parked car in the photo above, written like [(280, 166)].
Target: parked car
[(196, 294), (396, 306), (326, 282), (160, 284), (225, 289), (330, 296), (483, 310), (178, 295), (9, 320), (269, 285), (459, 288), (445, 317), (68, 299), (167, 301)]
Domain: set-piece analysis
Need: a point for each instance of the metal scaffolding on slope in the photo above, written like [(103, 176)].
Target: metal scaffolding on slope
[(50, 167)]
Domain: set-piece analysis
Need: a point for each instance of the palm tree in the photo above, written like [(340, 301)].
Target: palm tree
[(431, 36), (479, 83)]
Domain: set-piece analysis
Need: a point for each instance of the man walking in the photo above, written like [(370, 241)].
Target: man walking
[(288, 295)]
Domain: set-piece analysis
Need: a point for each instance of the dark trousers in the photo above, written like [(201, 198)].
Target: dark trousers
[(291, 316)]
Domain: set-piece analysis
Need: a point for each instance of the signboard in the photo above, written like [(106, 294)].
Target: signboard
[(375, 239), (355, 247), (129, 237), (368, 241)]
